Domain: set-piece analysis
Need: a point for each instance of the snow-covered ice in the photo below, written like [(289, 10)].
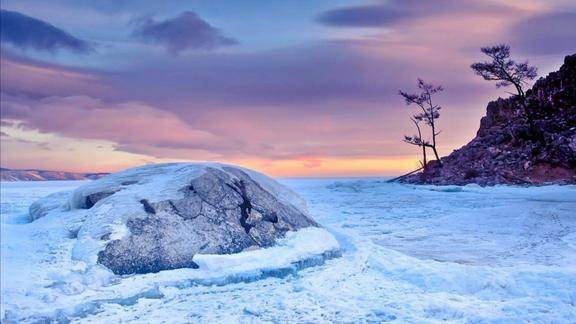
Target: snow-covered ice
[(417, 254)]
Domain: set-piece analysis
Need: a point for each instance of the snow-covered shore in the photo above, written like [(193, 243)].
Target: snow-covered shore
[(409, 253)]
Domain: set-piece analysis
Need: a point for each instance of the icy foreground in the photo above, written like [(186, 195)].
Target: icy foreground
[(410, 253)]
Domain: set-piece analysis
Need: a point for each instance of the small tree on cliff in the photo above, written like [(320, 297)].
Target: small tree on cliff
[(428, 114), (507, 72), (418, 141)]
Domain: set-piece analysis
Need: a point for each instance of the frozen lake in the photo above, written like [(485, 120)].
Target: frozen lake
[(415, 254)]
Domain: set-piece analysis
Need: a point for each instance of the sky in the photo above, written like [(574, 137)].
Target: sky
[(290, 88)]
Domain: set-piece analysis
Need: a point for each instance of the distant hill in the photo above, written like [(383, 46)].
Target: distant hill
[(43, 175), (501, 153)]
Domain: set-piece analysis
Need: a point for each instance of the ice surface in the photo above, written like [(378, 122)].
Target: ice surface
[(418, 254)]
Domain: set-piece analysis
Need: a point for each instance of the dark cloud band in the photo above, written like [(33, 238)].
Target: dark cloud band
[(30, 33), (186, 31), (361, 16), (394, 11)]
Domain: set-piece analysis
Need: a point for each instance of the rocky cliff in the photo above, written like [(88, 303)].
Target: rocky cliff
[(504, 152)]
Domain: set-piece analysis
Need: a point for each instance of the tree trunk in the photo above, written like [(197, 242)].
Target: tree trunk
[(434, 143), (424, 162), (436, 155), (424, 155)]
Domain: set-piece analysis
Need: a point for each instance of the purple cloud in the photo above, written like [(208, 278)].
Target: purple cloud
[(394, 11), (299, 100), (303, 78), (328, 98), (37, 79), (550, 33), (362, 16), (30, 33), (185, 31), (129, 124)]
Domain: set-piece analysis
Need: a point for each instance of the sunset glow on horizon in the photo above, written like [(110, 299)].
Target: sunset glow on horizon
[(290, 88)]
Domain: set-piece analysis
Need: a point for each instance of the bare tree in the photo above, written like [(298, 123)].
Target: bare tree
[(507, 72), (428, 114), (418, 141)]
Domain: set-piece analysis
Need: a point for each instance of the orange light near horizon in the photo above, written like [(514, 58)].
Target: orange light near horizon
[(322, 167), (333, 167)]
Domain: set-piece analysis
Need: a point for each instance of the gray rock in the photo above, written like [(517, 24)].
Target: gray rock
[(158, 217)]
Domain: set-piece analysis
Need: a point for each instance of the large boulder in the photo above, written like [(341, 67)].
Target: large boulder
[(157, 217)]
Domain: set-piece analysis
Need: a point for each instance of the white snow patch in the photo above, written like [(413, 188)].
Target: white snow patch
[(300, 245)]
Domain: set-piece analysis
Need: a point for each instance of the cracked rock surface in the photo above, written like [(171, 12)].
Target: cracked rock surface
[(157, 217)]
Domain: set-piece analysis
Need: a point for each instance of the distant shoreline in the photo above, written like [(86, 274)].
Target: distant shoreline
[(11, 175)]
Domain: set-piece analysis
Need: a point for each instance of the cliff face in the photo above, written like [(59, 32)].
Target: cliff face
[(503, 152)]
